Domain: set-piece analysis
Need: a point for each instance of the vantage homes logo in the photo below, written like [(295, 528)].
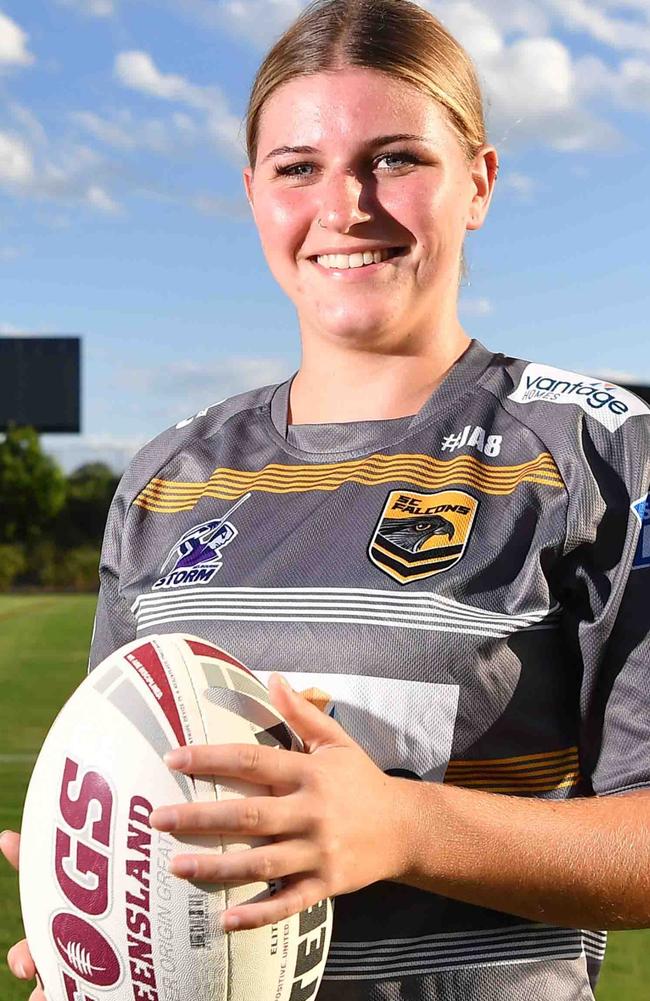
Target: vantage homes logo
[(610, 405)]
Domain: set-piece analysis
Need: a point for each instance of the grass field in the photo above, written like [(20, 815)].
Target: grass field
[(43, 652)]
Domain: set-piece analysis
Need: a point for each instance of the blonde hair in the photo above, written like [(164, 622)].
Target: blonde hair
[(397, 37)]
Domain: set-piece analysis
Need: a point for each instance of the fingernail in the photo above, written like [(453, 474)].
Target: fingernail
[(178, 758), (22, 972), (284, 683), (164, 819), (229, 922), (183, 867)]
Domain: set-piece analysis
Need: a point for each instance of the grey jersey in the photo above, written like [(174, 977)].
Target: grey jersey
[(464, 590)]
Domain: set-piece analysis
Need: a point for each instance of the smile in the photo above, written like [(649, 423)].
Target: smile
[(343, 262)]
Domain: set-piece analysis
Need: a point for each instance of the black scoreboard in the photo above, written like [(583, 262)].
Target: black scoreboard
[(39, 383)]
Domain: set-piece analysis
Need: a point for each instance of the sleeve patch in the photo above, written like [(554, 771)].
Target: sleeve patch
[(608, 404), (641, 509)]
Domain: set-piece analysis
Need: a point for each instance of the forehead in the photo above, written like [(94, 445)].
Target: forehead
[(347, 105)]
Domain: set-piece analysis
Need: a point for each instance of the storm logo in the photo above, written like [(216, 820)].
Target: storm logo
[(419, 535), (196, 555)]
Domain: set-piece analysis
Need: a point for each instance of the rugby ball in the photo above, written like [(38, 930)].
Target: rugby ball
[(104, 917)]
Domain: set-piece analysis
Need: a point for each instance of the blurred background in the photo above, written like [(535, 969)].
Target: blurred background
[(123, 222)]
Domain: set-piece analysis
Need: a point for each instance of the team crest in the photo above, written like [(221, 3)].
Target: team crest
[(196, 557), (419, 535)]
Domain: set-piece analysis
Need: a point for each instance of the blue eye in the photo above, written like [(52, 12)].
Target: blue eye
[(290, 168), (404, 157)]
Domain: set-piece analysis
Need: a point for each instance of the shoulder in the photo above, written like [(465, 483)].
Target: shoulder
[(543, 388), (186, 434)]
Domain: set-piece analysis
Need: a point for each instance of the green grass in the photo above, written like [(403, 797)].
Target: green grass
[(44, 644)]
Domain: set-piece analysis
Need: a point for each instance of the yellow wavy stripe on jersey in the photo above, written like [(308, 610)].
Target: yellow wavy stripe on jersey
[(571, 780), (532, 773), (515, 760), (169, 496)]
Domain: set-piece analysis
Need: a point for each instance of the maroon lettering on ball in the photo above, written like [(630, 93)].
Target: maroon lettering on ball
[(85, 950), (94, 789), (85, 879), (72, 991)]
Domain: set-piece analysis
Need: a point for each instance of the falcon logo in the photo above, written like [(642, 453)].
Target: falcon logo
[(197, 554), (419, 535)]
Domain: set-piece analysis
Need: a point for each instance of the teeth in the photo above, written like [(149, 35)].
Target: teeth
[(345, 261)]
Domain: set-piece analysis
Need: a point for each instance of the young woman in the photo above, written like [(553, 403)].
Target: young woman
[(440, 544)]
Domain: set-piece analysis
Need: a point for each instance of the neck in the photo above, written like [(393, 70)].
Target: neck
[(345, 383)]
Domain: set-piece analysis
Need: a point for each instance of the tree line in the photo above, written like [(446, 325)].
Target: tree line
[(51, 524)]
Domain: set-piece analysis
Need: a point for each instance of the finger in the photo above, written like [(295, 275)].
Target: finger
[(294, 897), (256, 763), (37, 995), (10, 845), (20, 962), (254, 865), (254, 815), (314, 727)]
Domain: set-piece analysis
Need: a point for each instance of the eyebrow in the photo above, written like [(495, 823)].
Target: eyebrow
[(371, 144)]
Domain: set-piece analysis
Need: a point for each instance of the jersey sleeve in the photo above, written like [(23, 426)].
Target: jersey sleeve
[(603, 586), (114, 622)]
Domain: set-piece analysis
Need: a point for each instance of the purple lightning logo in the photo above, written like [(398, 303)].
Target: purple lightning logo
[(197, 554)]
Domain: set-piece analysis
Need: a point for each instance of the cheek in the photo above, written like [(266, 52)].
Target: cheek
[(281, 221)]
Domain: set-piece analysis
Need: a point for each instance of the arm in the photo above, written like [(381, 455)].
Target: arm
[(582, 863)]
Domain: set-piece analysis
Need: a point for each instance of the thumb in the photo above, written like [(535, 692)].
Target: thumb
[(314, 727)]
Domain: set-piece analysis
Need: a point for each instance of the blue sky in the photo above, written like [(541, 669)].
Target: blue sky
[(123, 217)]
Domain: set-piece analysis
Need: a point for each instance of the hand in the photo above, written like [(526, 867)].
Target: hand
[(332, 816), (19, 958)]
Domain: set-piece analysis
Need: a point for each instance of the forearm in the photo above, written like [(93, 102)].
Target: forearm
[(582, 863)]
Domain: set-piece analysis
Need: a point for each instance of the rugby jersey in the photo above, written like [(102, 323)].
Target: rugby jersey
[(465, 590)]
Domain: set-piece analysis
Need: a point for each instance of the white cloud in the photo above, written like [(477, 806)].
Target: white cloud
[(626, 86), (177, 390), (592, 18), (533, 97), (28, 122), (137, 71), (110, 133), (99, 199), (216, 205), (76, 174), (259, 22), (124, 131), (91, 8), (16, 163), (522, 186), (13, 44), (476, 307)]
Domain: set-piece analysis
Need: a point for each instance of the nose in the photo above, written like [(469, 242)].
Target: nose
[(342, 201)]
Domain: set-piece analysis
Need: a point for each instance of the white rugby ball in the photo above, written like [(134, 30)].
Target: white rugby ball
[(103, 916)]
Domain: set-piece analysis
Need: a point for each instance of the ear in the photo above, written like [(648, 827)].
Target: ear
[(484, 169), (248, 186)]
